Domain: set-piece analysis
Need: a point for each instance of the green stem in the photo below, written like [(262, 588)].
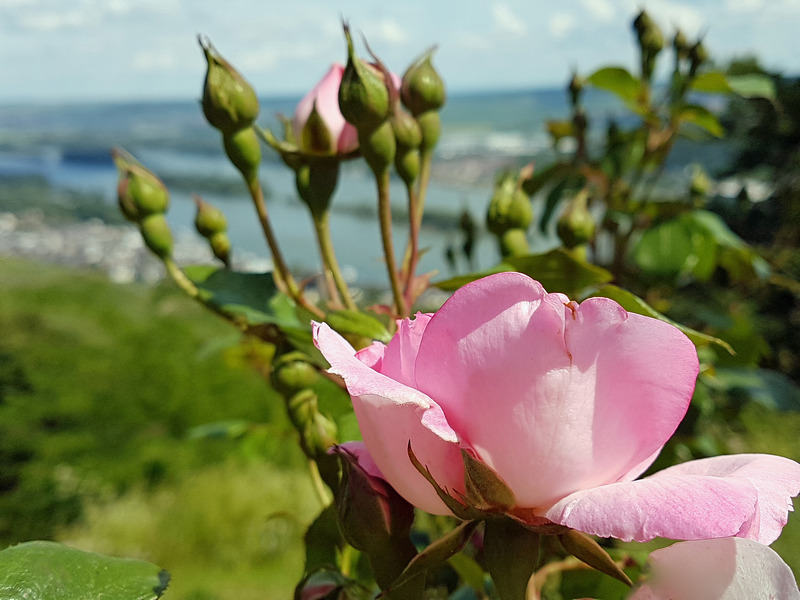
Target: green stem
[(330, 263), (319, 486), (280, 264), (426, 161), (385, 217), (183, 282), (412, 252)]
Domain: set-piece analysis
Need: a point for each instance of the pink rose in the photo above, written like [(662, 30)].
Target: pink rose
[(568, 404), (330, 134), (720, 569)]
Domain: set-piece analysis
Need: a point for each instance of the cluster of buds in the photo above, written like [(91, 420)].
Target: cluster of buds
[(211, 223), (230, 105), (651, 42), (143, 199), (576, 225)]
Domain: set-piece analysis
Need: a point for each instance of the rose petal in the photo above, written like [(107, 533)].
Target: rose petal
[(682, 507), (720, 569), (555, 397), (326, 95), (744, 495), (390, 415), (775, 478), (400, 357)]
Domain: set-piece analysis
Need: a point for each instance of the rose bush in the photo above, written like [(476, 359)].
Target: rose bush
[(723, 569), (318, 125), (565, 403)]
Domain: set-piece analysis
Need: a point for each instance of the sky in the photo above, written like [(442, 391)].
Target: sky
[(82, 50)]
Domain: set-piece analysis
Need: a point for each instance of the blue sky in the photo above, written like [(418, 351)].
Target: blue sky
[(52, 50)]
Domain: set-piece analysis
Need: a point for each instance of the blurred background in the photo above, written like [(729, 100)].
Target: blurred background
[(109, 379)]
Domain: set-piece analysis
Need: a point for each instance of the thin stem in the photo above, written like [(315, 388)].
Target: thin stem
[(412, 253), (183, 282), (426, 161), (385, 217), (320, 489), (330, 263), (280, 264)]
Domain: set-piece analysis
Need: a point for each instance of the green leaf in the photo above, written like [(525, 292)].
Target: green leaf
[(703, 118), (712, 82), (468, 570), (559, 271), (541, 178), (618, 81), (252, 296), (584, 548), (454, 283), (676, 247), (550, 204), (232, 429), (768, 388), (632, 303), (357, 323), (753, 86), (559, 129), (48, 571)]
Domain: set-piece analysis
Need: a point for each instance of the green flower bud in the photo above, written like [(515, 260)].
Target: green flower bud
[(576, 226), (652, 40), (575, 88), (509, 208), (378, 147), (221, 246), (157, 235), (408, 134), (700, 185), (681, 45), (209, 219), (698, 55), (229, 102), (292, 373), (317, 432), (422, 89), (244, 151), (514, 242), (642, 22), (431, 126), (363, 97), (316, 182), (139, 192), (316, 137)]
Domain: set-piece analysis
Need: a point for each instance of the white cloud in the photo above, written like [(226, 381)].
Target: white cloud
[(561, 24), (743, 5), (507, 22), (48, 21), (391, 32), (601, 10)]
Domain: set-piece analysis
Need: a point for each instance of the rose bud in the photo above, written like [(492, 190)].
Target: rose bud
[(140, 192), (509, 208), (363, 97), (209, 219), (422, 89), (576, 226), (318, 125), (157, 235), (244, 151), (229, 101)]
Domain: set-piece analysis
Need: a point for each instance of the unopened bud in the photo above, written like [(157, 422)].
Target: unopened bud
[(698, 55), (378, 147), (292, 373), (244, 151), (157, 235), (209, 219), (422, 89), (316, 182), (575, 88), (317, 432), (409, 137), (139, 192), (681, 45), (431, 126), (576, 226), (509, 208), (221, 247), (229, 102), (363, 97)]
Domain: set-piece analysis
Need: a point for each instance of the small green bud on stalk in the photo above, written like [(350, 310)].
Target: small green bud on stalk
[(139, 192), (575, 88), (209, 219), (422, 89), (514, 242), (409, 137), (576, 226), (363, 97), (221, 247), (292, 373), (378, 147), (317, 432), (316, 181), (244, 151), (698, 55), (157, 235), (681, 45), (509, 208), (431, 126), (229, 101)]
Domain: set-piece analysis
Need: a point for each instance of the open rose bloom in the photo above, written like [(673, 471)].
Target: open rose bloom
[(566, 403)]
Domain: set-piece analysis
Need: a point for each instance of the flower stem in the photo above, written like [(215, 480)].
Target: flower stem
[(284, 276), (331, 265), (412, 253), (385, 217), (321, 490)]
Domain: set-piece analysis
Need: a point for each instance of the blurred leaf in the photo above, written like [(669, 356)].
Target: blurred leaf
[(712, 82), (559, 271), (586, 583), (559, 129), (753, 86), (676, 247), (632, 303), (769, 388), (618, 81), (454, 283), (551, 203), (703, 118), (541, 178), (468, 570), (323, 540), (46, 571), (357, 323)]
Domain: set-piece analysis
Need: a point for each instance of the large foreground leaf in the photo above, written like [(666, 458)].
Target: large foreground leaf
[(50, 571)]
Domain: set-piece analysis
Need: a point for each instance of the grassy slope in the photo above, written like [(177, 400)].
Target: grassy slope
[(103, 382)]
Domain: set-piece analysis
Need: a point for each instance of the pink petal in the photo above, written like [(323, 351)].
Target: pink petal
[(776, 480), (744, 495), (400, 357), (362, 455), (720, 569), (555, 397), (326, 95), (390, 415), (688, 507)]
